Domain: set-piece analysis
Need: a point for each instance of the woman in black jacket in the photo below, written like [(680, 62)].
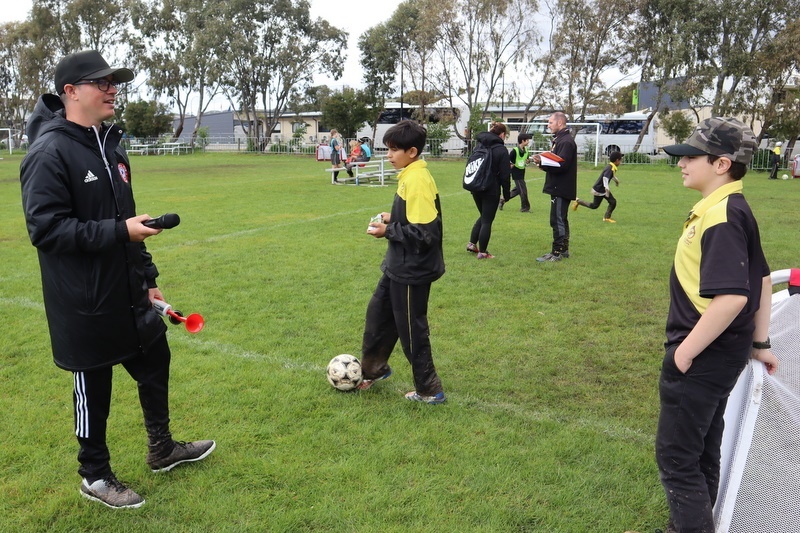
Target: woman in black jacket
[(488, 200)]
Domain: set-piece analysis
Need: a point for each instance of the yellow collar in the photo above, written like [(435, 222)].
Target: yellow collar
[(714, 198)]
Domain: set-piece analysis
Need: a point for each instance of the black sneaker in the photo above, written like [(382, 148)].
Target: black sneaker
[(548, 258), (183, 452), (111, 493)]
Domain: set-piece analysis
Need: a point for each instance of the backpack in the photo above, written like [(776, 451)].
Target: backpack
[(478, 173)]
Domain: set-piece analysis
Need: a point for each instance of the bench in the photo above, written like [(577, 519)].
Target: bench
[(143, 148), (377, 172), (174, 148)]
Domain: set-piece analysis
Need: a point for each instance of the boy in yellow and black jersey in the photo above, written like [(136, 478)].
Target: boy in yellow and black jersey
[(720, 297), (399, 306)]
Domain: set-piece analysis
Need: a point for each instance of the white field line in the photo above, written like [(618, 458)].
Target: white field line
[(252, 231), (25, 303), (610, 428)]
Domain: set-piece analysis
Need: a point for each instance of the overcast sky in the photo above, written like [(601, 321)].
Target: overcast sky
[(340, 16), (337, 13)]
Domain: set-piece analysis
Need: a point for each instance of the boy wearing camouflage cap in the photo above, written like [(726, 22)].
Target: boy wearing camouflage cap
[(720, 295)]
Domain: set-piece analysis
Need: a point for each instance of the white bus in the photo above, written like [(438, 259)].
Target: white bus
[(391, 115), (609, 133)]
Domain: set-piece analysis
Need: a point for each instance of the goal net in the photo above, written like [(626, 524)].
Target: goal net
[(760, 468)]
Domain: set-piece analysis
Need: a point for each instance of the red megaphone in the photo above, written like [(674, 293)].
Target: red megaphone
[(193, 323)]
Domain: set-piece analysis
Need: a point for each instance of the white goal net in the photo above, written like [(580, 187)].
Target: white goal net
[(760, 471)]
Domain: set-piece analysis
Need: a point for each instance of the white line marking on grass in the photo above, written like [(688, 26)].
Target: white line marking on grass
[(235, 351), (23, 302), (606, 427), (252, 231)]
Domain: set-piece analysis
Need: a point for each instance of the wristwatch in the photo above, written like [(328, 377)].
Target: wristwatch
[(762, 345)]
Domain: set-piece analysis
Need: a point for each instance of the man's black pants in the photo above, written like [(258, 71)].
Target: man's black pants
[(92, 405), (559, 207)]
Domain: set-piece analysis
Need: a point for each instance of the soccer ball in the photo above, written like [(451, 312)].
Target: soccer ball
[(785, 176), (344, 372)]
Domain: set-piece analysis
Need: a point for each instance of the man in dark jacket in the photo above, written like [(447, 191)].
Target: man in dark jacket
[(561, 183), (98, 279)]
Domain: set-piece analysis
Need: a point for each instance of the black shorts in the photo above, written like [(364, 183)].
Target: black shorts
[(336, 157)]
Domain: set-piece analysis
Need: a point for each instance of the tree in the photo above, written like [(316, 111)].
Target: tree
[(663, 38), (586, 44), (15, 97), (480, 40), (677, 125), (743, 29), (178, 43), (145, 119), (308, 99), (346, 111), (273, 48), (771, 91), (379, 59), (99, 24)]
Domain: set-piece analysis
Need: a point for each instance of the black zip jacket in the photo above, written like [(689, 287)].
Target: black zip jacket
[(76, 194), (414, 255), (562, 181)]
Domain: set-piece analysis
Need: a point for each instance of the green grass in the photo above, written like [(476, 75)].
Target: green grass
[(550, 369)]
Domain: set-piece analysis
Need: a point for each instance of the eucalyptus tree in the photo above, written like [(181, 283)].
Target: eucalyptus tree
[(404, 44), (101, 25), (273, 48), (177, 42), (481, 40), (740, 31), (586, 44), (346, 110), (15, 96), (667, 40), (379, 59)]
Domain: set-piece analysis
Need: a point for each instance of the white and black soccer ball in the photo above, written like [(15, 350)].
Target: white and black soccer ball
[(344, 372)]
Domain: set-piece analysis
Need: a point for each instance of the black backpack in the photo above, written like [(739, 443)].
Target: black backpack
[(478, 173)]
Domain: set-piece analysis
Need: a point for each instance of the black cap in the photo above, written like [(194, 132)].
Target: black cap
[(87, 65)]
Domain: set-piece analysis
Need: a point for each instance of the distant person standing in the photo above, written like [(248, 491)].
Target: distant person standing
[(561, 183), (519, 156), (336, 153), (602, 190), (775, 161), (98, 279)]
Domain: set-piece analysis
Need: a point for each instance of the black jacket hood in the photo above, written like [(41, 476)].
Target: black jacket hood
[(488, 138), (48, 115)]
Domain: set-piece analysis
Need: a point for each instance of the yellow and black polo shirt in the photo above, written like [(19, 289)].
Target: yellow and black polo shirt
[(719, 252)]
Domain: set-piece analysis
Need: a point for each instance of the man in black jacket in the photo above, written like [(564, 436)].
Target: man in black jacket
[(98, 280), (561, 183)]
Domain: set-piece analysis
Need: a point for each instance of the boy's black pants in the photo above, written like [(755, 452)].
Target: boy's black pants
[(92, 405), (521, 189), (399, 311), (689, 434), (612, 204)]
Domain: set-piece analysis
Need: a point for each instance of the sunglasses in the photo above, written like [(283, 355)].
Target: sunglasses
[(103, 84)]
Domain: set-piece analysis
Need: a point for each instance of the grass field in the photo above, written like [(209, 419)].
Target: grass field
[(550, 369)]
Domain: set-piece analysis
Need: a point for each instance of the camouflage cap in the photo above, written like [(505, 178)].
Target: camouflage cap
[(719, 136)]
